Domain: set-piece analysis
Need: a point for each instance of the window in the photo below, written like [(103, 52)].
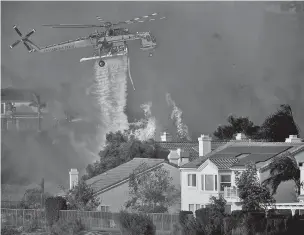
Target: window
[(225, 181), (198, 206), (2, 108), (192, 180), (209, 182), (191, 207), (104, 208)]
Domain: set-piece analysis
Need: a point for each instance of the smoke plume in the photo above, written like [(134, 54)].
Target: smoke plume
[(145, 128), (176, 116)]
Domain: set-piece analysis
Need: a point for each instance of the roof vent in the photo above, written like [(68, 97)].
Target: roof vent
[(240, 136), (166, 137), (243, 155), (293, 139)]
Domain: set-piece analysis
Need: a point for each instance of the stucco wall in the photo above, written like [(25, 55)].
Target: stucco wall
[(116, 197), (194, 195)]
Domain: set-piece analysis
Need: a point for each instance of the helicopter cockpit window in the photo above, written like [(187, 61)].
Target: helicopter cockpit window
[(148, 38), (111, 32)]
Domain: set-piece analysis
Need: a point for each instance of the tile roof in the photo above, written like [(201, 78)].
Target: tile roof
[(191, 147), (120, 173), (226, 156)]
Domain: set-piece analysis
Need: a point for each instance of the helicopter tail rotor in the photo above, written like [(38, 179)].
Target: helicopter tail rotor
[(24, 39)]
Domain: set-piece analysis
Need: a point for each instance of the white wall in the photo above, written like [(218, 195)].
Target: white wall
[(194, 195)]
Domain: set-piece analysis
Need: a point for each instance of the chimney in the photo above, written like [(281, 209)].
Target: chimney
[(166, 137), (293, 139), (73, 177), (204, 143), (173, 157), (183, 156), (240, 136)]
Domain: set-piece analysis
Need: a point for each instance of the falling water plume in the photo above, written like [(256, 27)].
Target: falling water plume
[(110, 92)]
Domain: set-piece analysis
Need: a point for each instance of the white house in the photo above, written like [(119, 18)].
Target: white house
[(214, 173)]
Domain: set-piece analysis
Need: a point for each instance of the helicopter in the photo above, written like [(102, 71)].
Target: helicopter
[(108, 43)]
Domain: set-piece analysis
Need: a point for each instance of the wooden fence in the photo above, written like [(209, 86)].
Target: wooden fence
[(91, 219)]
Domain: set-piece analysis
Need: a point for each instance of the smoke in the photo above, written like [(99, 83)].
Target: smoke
[(176, 116), (145, 128)]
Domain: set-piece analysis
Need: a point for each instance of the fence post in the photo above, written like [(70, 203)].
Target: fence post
[(16, 217), (23, 217), (162, 221), (171, 222)]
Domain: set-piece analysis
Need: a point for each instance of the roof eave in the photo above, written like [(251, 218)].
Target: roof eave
[(123, 180)]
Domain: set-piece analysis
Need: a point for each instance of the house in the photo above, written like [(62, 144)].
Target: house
[(182, 152), (112, 187), (15, 110), (214, 173)]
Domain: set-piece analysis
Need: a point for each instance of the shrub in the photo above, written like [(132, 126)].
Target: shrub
[(32, 226), (230, 223), (9, 231), (255, 222), (64, 227), (135, 224), (187, 222), (52, 207)]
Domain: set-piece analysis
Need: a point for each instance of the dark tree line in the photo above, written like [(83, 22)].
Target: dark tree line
[(119, 149), (276, 127)]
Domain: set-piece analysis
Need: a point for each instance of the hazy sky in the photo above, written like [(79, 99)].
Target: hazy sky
[(215, 58)]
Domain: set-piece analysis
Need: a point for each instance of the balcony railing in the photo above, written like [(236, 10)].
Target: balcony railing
[(231, 193)]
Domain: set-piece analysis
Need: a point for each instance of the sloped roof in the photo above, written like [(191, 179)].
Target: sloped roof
[(191, 147), (120, 173), (12, 94), (226, 156)]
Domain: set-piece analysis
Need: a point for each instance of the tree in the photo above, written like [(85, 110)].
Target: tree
[(236, 125), (216, 215), (81, 197), (33, 198), (253, 194), (151, 192), (37, 103), (282, 169), (120, 149), (279, 125)]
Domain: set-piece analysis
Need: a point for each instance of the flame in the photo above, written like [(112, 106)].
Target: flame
[(145, 128)]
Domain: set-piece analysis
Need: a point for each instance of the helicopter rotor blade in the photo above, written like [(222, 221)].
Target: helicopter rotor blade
[(27, 46), (141, 19), (30, 33), (17, 30), (15, 43), (73, 26), (100, 19)]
